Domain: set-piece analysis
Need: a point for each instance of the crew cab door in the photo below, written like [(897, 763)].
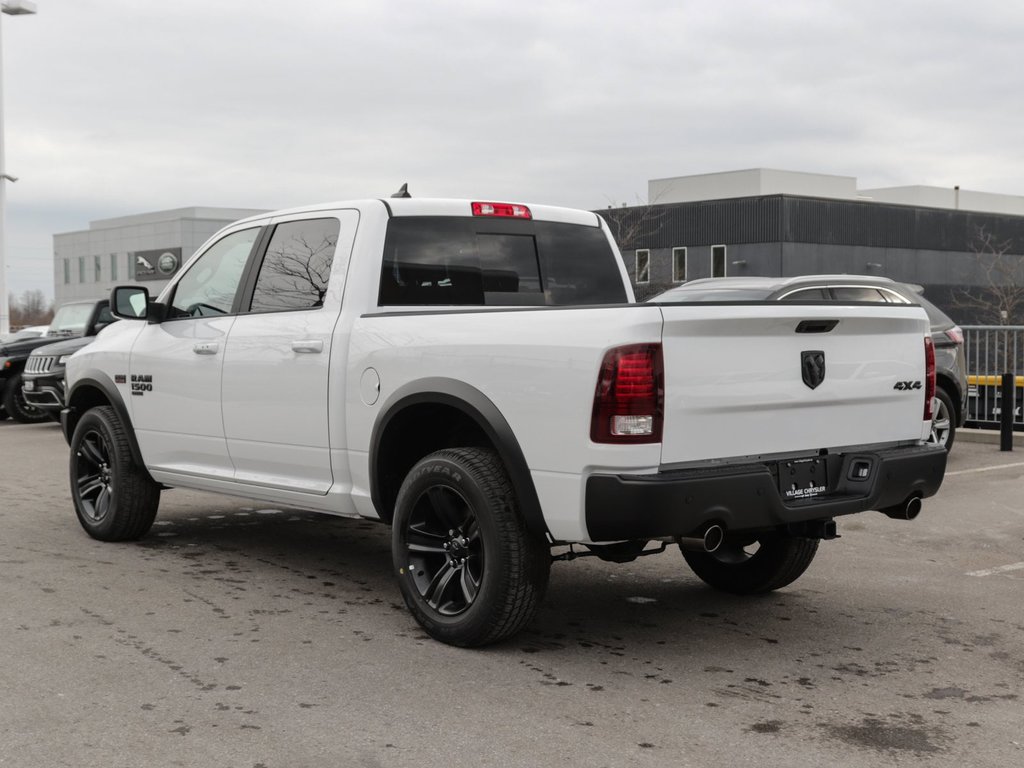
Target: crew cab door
[(175, 366), (279, 355)]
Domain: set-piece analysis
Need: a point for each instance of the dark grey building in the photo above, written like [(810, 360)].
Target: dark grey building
[(969, 261)]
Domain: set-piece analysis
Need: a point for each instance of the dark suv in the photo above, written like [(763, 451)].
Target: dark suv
[(72, 321), (950, 407)]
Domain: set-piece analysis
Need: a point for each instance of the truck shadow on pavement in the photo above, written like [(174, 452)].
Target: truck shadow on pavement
[(648, 631)]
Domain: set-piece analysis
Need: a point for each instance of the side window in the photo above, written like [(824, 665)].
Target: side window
[(807, 294), (678, 265), (892, 297), (643, 266), (210, 284), (718, 261), (104, 317), (296, 269), (858, 293)]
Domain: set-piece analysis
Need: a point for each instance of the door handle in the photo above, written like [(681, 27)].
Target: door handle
[(206, 348), (311, 346)]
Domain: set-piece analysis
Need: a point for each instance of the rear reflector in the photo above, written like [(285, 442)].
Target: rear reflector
[(630, 396), (502, 210), (929, 374), (955, 334)]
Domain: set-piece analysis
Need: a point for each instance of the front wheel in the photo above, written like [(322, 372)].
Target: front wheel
[(18, 407), (769, 562), (468, 568), (114, 498)]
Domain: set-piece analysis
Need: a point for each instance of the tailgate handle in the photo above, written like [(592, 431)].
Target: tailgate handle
[(816, 326)]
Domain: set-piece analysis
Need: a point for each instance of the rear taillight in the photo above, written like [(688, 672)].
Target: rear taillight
[(954, 334), (502, 210), (629, 402), (929, 375)]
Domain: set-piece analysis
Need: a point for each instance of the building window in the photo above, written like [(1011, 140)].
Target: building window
[(81, 269), (718, 261), (97, 269), (678, 265), (643, 266), (113, 266), (67, 271)]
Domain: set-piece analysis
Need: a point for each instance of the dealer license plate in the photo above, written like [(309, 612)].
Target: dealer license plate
[(802, 479)]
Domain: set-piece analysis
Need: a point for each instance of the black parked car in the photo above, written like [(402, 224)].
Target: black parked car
[(42, 381), (950, 407), (73, 320)]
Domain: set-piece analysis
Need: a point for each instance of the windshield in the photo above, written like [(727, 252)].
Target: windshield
[(70, 320)]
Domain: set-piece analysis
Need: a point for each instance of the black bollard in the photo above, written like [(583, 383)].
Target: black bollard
[(1007, 407)]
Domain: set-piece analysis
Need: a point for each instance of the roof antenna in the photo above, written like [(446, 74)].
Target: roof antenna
[(403, 191)]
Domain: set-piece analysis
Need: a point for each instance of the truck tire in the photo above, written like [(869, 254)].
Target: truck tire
[(944, 424), (778, 561), (114, 498), (468, 568), (17, 407)]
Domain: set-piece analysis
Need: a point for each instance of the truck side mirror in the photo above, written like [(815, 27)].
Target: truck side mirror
[(129, 302)]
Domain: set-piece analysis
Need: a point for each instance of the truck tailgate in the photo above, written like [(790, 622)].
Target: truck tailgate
[(735, 378)]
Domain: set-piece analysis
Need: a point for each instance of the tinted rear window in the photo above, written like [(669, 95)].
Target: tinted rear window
[(432, 260)]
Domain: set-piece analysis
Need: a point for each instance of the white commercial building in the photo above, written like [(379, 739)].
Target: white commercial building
[(146, 248), (757, 182)]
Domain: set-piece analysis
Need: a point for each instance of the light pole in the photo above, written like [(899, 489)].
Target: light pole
[(11, 8)]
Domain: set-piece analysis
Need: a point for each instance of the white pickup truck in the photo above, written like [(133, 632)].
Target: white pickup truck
[(477, 375)]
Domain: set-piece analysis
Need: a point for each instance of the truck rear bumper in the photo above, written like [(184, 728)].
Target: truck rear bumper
[(747, 497)]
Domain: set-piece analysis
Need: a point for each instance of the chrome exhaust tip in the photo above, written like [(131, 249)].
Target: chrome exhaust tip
[(708, 541), (908, 510)]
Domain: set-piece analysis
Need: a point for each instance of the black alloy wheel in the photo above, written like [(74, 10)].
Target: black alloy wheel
[(469, 570), (115, 499), (94, 479), (444, 551)]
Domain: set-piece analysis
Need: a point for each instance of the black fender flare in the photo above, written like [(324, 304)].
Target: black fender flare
[(485, 414), (69, 416)]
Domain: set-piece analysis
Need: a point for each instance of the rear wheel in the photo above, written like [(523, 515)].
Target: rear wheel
[(943, 419), (17, 407), (114, 498), (469, 570), (769, 562)]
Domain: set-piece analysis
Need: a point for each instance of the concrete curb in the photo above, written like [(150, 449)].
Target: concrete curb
[(989, 436)]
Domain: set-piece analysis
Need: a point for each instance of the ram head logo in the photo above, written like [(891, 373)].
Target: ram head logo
[(812, 367)]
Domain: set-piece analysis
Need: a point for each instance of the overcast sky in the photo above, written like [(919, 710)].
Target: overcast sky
[(116, 107)]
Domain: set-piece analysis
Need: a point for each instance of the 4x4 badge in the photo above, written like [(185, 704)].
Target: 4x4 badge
[(812, 367)]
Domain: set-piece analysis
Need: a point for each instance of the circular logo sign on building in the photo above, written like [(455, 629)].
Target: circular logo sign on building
[(158, 264), (167, 263)]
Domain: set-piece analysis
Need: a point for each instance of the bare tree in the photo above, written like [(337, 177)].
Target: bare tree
[(295, 274), (31, 309), (999, 298), (630, 224)]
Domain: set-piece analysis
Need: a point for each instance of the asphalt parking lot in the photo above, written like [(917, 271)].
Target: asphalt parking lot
[(235, 635)]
